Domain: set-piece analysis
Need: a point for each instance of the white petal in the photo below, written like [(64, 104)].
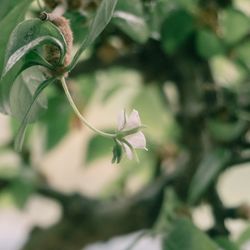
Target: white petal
[(128, 151), (136, 140), (133, 120), (121, 120)]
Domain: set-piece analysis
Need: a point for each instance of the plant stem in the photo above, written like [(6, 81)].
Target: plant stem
[(77, 112)]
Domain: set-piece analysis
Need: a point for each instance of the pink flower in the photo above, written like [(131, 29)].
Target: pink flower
[(131, 136)]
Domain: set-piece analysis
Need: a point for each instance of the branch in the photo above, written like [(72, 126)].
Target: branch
[(239, 161), (87, 220), (240, 156), (150, 60), (219, 213)]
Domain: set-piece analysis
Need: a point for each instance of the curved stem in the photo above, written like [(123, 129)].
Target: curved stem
[(77, 112)]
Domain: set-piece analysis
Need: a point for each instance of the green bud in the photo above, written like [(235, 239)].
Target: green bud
[(117, 153)]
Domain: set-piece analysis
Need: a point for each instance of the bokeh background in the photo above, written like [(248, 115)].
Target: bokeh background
[(184, 65)]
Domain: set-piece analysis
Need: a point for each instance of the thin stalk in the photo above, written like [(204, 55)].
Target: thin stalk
[(79, 115)]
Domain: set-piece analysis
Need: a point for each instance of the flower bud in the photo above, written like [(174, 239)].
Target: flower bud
[(117, 153)]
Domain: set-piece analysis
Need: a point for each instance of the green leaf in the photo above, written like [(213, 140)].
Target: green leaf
[(8, 173), (244, 238), (185, 236), (78, 24), (226, 244), (8, 80), (28, 114), (21, 54), (234, 25), (98, 147), (176, 29), (7, 6), (10, 21), (117, 153), (158, 11), (208, 44), (243, 53), (211, 165), (59, 111), (129, 17), (22, 92), (21, 191), (5, 86), (188, 4), (29, 35), (226, 131), (101, 20)]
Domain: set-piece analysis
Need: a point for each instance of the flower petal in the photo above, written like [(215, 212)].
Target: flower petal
[(128, 151), (121, 120), (136, 140), (133, 120)]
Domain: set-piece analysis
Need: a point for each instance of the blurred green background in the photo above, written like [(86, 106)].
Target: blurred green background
[(185, 66)]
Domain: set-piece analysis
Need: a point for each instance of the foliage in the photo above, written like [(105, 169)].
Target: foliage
[(183, 64), (185, 236)]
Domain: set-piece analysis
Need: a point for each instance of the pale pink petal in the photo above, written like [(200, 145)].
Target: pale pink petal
[(121, 120), (136, 140), (133, 120), (128, 151)]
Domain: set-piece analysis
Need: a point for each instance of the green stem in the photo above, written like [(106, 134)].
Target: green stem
[(77, 112)]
